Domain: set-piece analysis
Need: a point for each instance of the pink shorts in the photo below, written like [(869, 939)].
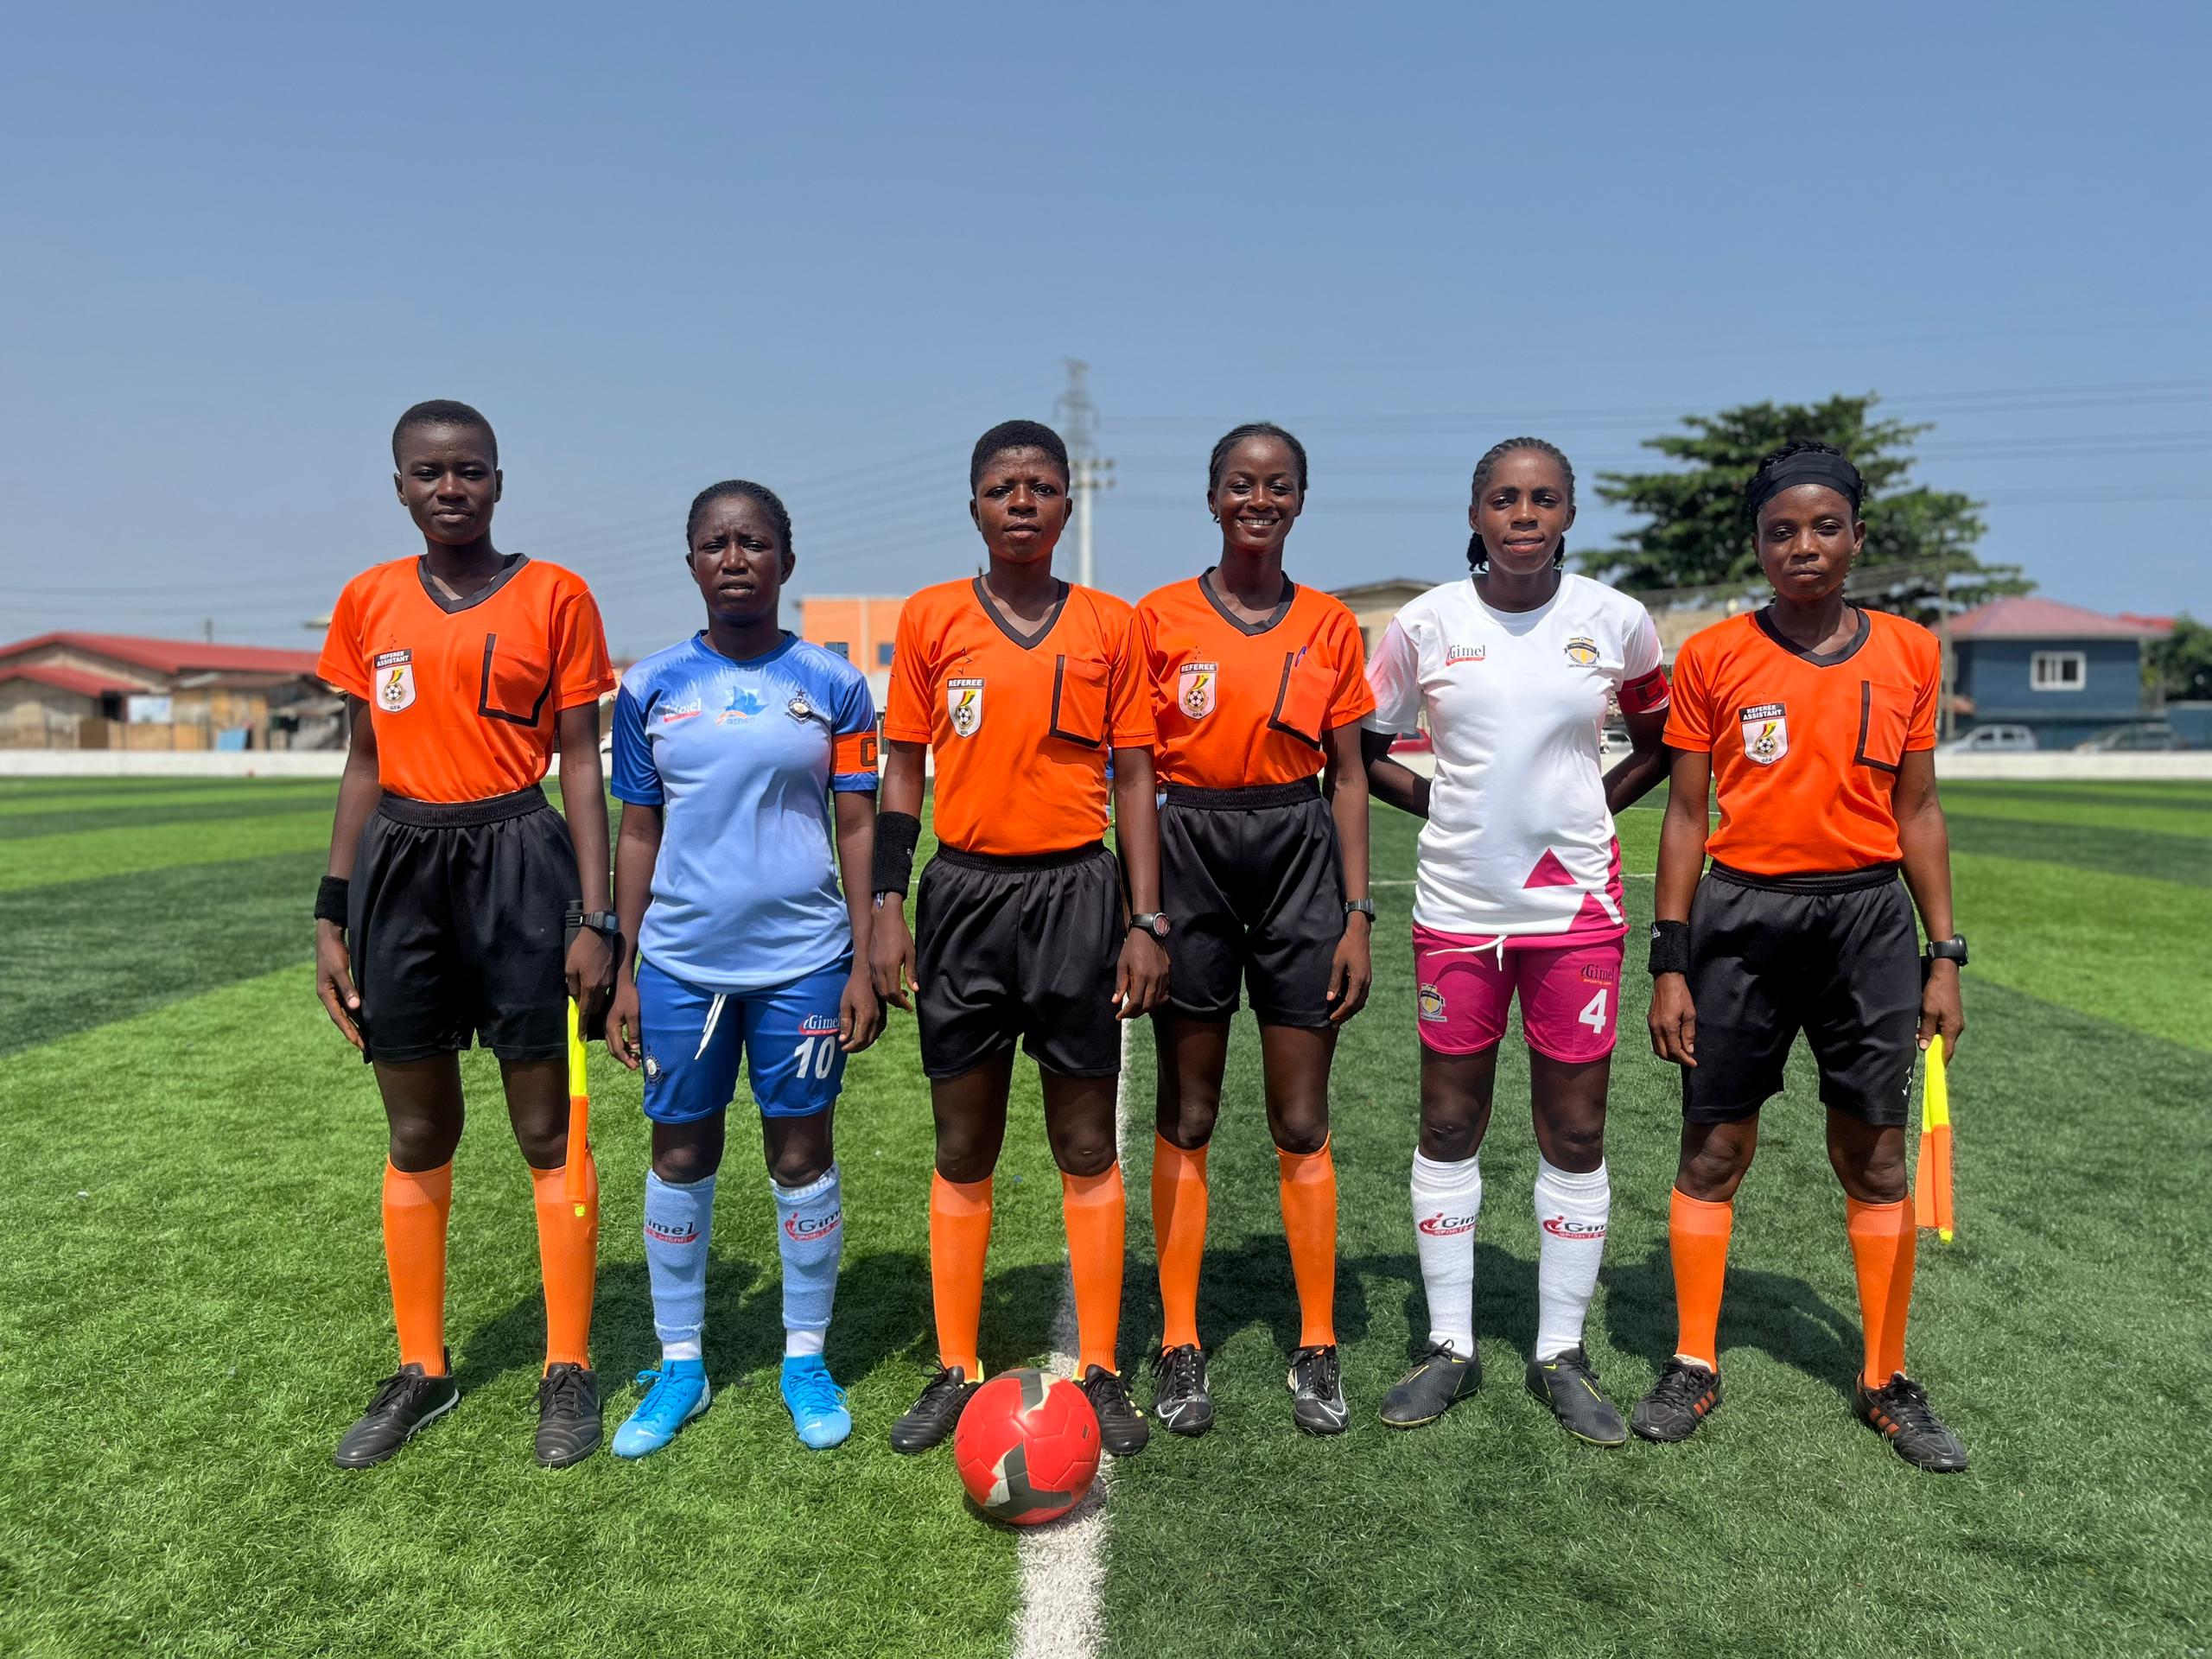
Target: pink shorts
[(1570, 992)]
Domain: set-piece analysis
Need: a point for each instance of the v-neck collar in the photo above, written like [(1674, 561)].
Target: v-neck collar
[(1818, 660), (1282, 609), (455, 606), (1027, 641)]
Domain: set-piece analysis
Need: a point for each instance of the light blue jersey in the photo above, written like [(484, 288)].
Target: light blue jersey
[(740, 757)]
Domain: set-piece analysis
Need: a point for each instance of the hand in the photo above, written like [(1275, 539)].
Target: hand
[(859, 1011), (891, 953), (1941, 1009), (623, 1032), (1141, 980), (590, 971), (1673, 1020), (1351, 973), (334, 979)]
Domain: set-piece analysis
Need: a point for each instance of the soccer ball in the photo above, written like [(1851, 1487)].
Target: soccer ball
[(1026, 1448)]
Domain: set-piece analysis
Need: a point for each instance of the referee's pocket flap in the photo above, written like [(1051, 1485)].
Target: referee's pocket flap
[(1079, 701), (1885, 715), (515, 684), (1302, 700)]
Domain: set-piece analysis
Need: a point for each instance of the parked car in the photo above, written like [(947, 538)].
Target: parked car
[(2137, 737), (1991, 740)]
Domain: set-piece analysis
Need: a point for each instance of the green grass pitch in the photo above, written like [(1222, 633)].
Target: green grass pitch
[(191, 1306)]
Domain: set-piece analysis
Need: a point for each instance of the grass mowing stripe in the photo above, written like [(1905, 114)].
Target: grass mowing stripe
[(2124, 948), (300, 792), (90, 952), (24, 826), (2186, 860), (100, 855), (2162, 819), (2117, 793)]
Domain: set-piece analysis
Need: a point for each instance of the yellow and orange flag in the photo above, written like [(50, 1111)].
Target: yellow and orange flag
[(578, 1113), (1931, 1198)]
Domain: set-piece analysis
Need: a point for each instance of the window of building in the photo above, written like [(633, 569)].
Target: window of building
[(883, 655), (2058, 671), (840, 647)]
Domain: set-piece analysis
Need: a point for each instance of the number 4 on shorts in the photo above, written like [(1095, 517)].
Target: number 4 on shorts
[(1594, 1016)]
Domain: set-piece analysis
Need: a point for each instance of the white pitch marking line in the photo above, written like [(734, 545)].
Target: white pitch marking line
[(1063, 1562)]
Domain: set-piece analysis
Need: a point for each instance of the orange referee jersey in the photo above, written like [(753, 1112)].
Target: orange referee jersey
[(1805, 748), (1020, 727), (465, 697), (1236, 703)]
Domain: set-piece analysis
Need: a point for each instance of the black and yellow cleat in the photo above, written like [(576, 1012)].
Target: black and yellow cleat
[(1899, 1411), (1317, 1390), (1180, 1396), (1684, 1396), (1121, 1427), (932, 1419), (568, 1427), (1432, 1387), (1569, 1387), (406, 1403)]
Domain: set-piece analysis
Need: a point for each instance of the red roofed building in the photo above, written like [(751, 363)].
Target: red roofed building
[(107, 690), (2063, 672)]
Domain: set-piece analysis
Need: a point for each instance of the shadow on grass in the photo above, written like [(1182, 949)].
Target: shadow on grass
[(1785, 1317)]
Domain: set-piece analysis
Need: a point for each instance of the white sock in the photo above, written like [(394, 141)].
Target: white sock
[(1571, 1215), (1446, 1200)]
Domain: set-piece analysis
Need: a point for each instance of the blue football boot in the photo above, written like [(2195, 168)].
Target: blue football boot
[(817, 1404), (679, 1393)]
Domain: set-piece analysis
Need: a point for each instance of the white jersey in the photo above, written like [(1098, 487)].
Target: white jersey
[(1519, 840)]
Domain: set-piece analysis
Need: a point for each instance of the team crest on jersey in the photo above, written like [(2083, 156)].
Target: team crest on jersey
[(395, 678), (1766, 732), (1453, 654), (800, 710), (963, 703), (1194, 688), (1431, 1004), (1582, 650)]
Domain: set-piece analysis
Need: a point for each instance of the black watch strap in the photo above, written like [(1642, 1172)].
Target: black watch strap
[(1951, 950)]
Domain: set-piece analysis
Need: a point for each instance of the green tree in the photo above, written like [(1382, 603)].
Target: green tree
[(2179, 666), (1695, 534)]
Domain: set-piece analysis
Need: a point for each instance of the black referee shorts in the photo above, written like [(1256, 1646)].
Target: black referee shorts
[(455, 924), (1018, 948), (1835, 957), (1253, 887)]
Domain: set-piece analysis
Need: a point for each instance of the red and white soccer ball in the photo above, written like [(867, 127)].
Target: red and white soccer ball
[(1026, 1448)]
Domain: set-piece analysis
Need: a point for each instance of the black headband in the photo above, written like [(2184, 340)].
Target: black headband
[(1807, 467)]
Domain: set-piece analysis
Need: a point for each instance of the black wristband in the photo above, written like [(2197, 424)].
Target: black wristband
[(1670, 948), (897, 834), (330, 898)]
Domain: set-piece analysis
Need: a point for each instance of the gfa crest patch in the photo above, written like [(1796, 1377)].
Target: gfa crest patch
[(963, 701), (1194, 686), (1431, 1004), (395, 681), (1582, 650), (1766, 732)]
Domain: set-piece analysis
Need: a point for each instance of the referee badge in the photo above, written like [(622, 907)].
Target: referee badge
[(395, 681), (963, 701), (1194, 688), (1766, 732)]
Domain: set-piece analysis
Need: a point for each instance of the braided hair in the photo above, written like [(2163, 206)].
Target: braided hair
[(1016, 434), (1477, 554), (1236, 434), (768, 501), (443, 411)]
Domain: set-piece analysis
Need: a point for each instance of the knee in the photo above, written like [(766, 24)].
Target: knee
[(1712, 1173), (1300, 1126), (799, 1166), (1084, 1153), (681, 1165), (1876, 1177), (544, 1145), (1449, 1137), (1581, 1146), (422, 1143), (965, 1158), (1188, 1121)]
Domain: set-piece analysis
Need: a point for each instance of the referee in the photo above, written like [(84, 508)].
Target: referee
[(1813, 721)]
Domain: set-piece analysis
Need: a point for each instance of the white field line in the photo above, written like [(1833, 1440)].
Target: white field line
[(1063, 1562)]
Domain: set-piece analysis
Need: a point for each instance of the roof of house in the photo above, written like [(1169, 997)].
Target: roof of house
[(172, 656), (2046, 619), (66, 679)]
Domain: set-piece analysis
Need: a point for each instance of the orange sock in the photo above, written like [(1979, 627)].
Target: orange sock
[(568, 1256), (1179, 1234), (1096, 1211), (1697, 1236), (1883, 1239), (415, 1205), (1307, 1181), (960, 1237)]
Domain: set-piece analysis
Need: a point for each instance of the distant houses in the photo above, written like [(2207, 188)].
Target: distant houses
[(72, 690), (2065, 673)]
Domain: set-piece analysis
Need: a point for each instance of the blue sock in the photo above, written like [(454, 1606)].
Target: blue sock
[(811, 1233), (677, 1218)]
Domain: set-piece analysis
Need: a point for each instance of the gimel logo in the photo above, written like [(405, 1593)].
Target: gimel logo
[(1441, 1225), (802, 1228), (817, 1024), (1465, 654), (681, 711), (682, 1233), (1575, 1232), (1598, 974)]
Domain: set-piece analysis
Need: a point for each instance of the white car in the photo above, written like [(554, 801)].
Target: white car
[(1992, 740)]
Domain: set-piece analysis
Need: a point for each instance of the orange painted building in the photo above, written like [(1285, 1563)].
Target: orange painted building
[(859, 627)]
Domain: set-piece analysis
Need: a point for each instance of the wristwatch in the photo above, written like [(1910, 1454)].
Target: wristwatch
[(603, 922), (1951, 950), (1364, 906), (1153, 922)]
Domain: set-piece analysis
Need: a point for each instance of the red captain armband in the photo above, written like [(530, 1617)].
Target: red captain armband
[(855, 752), (1646, 693)]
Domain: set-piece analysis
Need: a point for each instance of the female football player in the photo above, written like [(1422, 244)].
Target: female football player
[(1020, 685), (1258, 686), (450, 881), (729, 750), (1518, 890), (1812, 723)]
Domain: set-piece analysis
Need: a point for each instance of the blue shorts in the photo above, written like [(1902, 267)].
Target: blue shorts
[(693, 1041)]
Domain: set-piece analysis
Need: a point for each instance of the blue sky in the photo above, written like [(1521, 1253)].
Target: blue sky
[(825, 247)]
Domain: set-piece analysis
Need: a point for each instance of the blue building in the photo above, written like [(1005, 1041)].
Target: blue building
[(2063, 672)]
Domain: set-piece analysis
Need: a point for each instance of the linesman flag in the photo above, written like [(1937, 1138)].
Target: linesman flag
[(1931, 1198), (580, 1113)]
